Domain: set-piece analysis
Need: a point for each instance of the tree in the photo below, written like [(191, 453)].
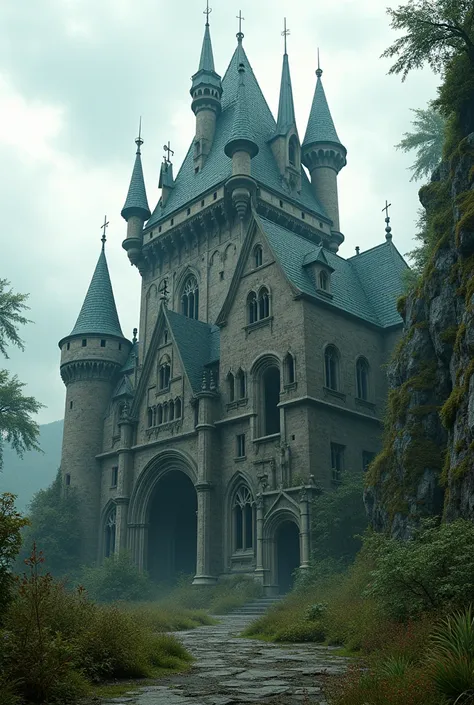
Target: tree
[(16, 425), (436, 32), (11, 523), (427, 139), (54, 528)]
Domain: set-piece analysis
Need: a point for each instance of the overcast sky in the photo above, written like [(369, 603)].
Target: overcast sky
[(75, 75)]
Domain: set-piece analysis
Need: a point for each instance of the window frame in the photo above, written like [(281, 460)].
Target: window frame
[(329, 374)]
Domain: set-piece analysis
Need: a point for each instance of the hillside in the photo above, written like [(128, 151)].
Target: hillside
[(24, 477)]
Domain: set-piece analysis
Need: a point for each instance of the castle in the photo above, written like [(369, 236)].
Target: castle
[(258, 378)]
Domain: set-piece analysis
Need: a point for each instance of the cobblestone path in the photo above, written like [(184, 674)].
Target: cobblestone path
[(230, 670)]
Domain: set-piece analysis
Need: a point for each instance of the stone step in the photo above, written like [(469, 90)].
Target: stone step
[(258, 607)]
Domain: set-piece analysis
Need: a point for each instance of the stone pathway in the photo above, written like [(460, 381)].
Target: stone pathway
[(229, 670)]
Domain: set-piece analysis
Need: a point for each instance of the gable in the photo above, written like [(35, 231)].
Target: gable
[(217, 169)]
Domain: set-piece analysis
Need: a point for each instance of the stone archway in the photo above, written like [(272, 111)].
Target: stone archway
[(287, 554), (172, 528)]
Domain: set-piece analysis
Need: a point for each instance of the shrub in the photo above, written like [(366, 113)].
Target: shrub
[(434, 569), (166, 617), (117, 578), (11, 523)]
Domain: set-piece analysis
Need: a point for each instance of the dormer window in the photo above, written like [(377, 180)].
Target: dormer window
[(324, 281)]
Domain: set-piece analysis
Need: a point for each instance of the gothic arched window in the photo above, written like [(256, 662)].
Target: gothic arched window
[(258, 256), (240, 380), (252, 307), (177, 408), (289, 369), (243, 519), (293, 150), (271, 399), (331, 367), (110, 533), (263, 303), (362, 371), (190, 298), (159, 419), (150, 417), (231, 386), (164, 373)]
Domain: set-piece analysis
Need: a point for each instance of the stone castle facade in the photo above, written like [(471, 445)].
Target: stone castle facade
[(258, 379)]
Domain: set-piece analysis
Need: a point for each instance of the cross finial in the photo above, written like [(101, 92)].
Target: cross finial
[(207, 12), (240, 34), (104, 227), (285, 34), (164, 292), (319, 71), (139, 140), (388, 229), (169, 151)]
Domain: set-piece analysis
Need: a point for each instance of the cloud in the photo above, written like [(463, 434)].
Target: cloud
[(75, 75)]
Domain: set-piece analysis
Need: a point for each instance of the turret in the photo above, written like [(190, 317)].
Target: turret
[(91, 358), (241, 147), (285, 142), (136, 210), (206, 92), (324, 155)]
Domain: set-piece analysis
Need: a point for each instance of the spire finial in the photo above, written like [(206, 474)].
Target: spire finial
[(388, 229), (139, 140), (207, 12), (134, 339), (285, 34), (240, 34), (104, 227), (319, 71)]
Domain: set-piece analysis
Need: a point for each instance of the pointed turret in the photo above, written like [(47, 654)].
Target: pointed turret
[(206, 92), (241, 147), (92, 356), (324, 155), (135, 210), (285, 142)]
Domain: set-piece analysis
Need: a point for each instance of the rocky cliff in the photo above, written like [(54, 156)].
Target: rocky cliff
[(426, 466)]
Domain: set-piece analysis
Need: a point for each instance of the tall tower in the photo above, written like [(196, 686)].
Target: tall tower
[(324, 155), (206, 92), (136, 210), (91, 358)]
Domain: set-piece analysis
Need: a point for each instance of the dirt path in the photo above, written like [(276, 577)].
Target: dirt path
[(230, 670)]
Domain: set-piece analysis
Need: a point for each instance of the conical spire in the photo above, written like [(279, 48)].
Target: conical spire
[(241, 138), (286, 108), (320, 124), (206, 62), (136, 202), (98, 313)]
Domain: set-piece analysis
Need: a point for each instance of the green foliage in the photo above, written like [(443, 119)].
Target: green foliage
[(339, 518), (11, 524), (427, 139), (11, 307), (56, 642), (224, 597), (435, 32), (435, 569), (54, 526), (117, 578), (16, 425), (451, 657), (166, 616)]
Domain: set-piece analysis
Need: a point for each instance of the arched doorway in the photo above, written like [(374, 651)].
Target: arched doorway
[(287, 541), (172, 528)]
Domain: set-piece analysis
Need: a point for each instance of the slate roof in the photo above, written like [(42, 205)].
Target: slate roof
[(132, 357), (242, 132), (366, 286), (320, 124), (218, 167), (99, 313), (286, 108), (136, 198), (198, 344), (206, 62)]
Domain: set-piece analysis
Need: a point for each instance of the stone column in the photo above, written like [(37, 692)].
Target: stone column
[(259, 570), (137, 543), (304, 530), (125, 461), (206, 429)]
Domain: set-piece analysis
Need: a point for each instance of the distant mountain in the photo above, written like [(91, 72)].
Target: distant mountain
[(37, 470)]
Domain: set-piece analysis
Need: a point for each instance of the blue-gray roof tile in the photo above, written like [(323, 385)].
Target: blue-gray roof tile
[(320, 124)]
